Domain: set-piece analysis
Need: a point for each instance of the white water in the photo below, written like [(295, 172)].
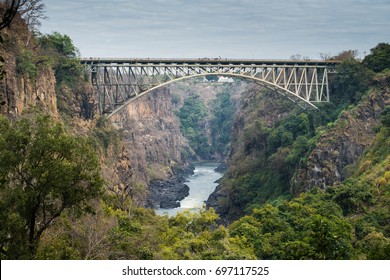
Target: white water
[(202, 184)]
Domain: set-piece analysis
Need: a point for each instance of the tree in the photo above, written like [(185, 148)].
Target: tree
[(221, 122), (193, 116), (32, 11), (73, 237), (43, 171), (385, 116), (352, 79), (346, 55), (299, 57), (62, 44), (66, 65), (196, 236), (379, 59), (325, 56), (9, 11)]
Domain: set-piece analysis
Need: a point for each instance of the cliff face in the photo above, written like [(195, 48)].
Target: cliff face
[(151, 151), (257, 113), (152, 146), (18, 92), (270, 155), (341, 146), (29, 78), (79, 102)]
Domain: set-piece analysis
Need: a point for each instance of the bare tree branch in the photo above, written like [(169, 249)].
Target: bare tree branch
[(10, 11), (32, 11)]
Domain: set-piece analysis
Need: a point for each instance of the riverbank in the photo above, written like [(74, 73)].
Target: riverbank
[(201, 184), (166, 194)]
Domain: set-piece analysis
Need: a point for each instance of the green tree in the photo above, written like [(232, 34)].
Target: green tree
[(385, 116), (351, 81), (379, 59), (193, 118), (221, 123), (61, 43), (375, 246), (330, 237), (25, 65), (308, 227), (66, 65), (196, 236), (71, 83), (43, 171)]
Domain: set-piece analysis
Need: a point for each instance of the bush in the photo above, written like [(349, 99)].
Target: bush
[(25, 65), (379, 59), (192, 118), (385, 116)]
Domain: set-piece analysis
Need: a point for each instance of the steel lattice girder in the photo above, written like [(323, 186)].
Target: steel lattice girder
[(118, 81)]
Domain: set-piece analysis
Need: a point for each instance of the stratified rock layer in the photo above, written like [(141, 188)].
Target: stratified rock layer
[(153, 146), (342, 145)]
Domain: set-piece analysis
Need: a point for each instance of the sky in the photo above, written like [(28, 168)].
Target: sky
[(258, 29)]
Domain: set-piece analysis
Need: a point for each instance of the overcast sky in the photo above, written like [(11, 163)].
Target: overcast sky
[(274, 29)]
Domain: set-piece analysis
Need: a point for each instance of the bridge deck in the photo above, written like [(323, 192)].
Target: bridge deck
[(202, 61)]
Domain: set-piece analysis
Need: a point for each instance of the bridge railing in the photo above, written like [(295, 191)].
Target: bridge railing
[(235, 61)]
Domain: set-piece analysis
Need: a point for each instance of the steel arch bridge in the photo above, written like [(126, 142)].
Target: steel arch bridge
[(118, 81)]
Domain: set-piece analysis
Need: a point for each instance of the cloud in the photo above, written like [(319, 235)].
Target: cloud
[(219, 27)]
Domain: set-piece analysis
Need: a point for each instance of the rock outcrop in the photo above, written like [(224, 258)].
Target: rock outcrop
[(340, 147), (153, 148), (257, 107), (19, 92)]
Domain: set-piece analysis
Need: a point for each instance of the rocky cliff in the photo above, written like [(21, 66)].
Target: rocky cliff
[(278, 150), (336, 151), (152, 147), (18, 89), (256, 114), (145, 149)]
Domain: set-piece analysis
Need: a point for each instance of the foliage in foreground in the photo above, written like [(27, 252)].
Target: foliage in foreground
[(138, 233), (43, 171)]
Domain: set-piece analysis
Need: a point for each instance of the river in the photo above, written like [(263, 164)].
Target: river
[(201, 184)]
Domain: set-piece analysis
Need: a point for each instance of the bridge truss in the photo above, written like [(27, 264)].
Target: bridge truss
[(119, 81)]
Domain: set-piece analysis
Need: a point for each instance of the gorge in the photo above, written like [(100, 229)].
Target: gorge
[(296, 184)]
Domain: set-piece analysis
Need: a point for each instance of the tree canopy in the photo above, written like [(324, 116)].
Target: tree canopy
[(379, 58), (43, 171)]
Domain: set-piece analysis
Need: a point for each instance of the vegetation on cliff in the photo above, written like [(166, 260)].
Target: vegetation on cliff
[(343, 222), (267, 156), (208, 126), (43, 172), (193, 119), (351, 212)]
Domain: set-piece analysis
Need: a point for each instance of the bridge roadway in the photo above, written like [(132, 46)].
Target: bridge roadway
[(205, 61), (118, 81)]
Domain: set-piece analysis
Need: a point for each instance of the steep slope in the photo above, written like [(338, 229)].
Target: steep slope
[(206, 110), (337, 149), (152, 149), (279, 151), (247, 179), (27, 83)]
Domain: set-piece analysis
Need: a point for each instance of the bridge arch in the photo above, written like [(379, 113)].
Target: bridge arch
[(280, 90), (120, 81)]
